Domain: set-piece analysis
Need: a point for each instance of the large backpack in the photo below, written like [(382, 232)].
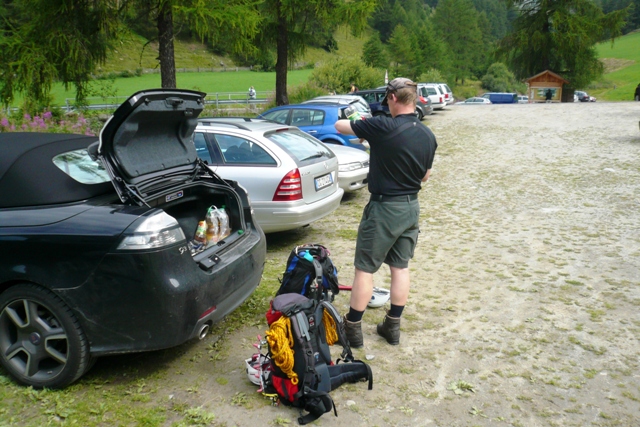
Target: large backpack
[(310, 272), (299, 371)]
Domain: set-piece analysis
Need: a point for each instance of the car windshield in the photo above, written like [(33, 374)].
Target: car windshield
[(81, 167), (299, 144)]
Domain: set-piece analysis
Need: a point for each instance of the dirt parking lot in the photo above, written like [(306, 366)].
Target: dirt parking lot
[(525, 299)]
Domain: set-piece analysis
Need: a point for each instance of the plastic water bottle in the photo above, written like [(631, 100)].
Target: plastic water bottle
[(200, 236), (213, 226), (352, 113), (223, 218)]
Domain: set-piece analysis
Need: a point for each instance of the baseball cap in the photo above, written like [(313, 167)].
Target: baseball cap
[(397, 84)]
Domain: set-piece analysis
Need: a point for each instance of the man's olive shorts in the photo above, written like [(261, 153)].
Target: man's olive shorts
[(388, 233)]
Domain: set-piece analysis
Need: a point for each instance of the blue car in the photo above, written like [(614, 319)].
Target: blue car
[(317, 120)]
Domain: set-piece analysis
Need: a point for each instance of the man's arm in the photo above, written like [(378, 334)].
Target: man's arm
[(344, 127), (426, 175)]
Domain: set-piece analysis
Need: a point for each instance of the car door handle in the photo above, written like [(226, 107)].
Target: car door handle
[(312, 131)]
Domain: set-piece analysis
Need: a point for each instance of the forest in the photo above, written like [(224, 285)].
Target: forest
[(500, 42)]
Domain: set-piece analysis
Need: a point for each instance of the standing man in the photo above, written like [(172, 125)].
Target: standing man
[(402, 151), (636, 94)]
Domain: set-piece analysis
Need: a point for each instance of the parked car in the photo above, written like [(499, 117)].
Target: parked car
[(317, 120), (434, 93), (523, 99), (476, 100), (95, 233), (448, 94), (501, 97), (353, 167), (584, 96), (291, 177), (375, 96), (357, 101)]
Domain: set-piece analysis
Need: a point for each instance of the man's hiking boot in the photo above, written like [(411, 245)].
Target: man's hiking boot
[(354, 333), (390, 329)]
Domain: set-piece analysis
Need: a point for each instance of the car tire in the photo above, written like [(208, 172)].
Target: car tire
[(41, 341), (419, 114)]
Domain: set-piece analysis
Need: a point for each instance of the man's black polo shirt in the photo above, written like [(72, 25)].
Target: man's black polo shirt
[(398, 159)]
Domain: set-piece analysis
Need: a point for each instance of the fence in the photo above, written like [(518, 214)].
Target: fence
[(219, 99)]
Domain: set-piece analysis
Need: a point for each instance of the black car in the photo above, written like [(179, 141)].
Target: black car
[(375, 96), (96, 241)]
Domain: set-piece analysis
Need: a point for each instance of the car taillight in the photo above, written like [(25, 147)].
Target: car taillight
[(441, 99), (290, 188), (424, 101), (155, 231)]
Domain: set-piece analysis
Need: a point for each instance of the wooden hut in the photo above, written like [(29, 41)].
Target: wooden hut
[(541, 84)]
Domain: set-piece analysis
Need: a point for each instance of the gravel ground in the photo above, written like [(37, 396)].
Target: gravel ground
[(525, 289)]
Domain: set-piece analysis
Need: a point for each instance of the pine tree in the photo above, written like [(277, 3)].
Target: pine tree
[(457, 22), (560, 36), (373, 52)]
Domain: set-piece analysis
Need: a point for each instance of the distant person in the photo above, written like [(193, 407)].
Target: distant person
[(548, 95), (637, 94), (354, 88), (252, 93)]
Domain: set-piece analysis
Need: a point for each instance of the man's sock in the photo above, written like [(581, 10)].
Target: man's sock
[(354, 315), (396, 310)]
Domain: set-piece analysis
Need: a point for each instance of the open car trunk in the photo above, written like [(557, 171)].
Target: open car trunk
[(189, 205)]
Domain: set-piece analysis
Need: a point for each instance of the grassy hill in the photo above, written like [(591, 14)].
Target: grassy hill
[(622, 64), (133, 53)]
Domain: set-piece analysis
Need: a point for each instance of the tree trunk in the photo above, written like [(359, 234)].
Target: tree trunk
[(282, 62), (165, 50)]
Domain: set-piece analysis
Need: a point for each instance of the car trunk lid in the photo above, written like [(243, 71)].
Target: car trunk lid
[(147, 145)]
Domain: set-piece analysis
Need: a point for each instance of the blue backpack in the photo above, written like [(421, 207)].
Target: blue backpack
[(310, 272)]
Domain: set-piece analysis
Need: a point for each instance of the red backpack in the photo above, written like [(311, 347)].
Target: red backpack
[(298, 370)]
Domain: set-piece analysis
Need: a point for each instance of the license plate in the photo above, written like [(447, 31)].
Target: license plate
[(323, 181)]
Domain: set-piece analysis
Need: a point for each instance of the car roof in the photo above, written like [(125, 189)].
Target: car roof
[(28, 176), (326, 103), (242, 123)]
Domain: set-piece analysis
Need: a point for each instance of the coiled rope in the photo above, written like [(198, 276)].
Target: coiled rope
[(280, 339)]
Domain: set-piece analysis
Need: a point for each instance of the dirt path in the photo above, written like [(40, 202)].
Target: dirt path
[(525, 302)]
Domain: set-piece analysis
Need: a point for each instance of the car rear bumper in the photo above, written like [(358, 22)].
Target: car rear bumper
[(169, 297), (282, 216)]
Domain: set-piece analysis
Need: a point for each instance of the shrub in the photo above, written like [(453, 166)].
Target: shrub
[(337, 75), (431, 76), (500, 79)]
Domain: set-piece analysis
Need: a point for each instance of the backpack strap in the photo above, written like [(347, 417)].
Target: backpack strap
[(316, 286), (318, 403), (300, 327), (342, 335)]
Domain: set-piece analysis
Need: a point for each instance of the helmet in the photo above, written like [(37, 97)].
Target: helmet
[(255, 366), (379, 297)]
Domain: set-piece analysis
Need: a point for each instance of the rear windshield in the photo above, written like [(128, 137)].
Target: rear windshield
[(81, 167), (360, 107), (300, 146)]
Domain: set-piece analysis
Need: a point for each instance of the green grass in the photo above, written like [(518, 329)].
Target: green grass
[(209, 82), (619, 84)]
